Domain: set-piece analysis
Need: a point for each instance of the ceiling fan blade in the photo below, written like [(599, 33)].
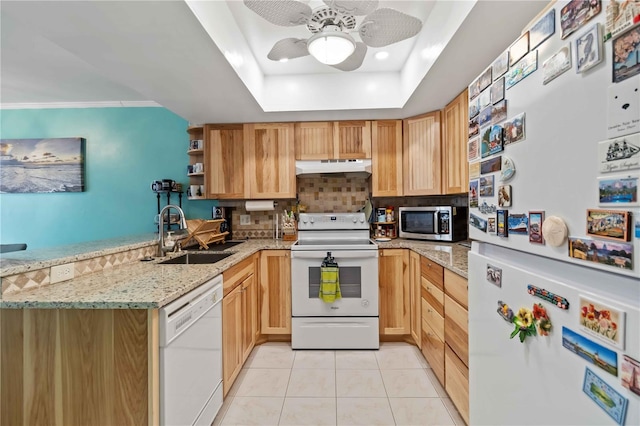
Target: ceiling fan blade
[(353, 7), (288, 48), (286, 13), (387, 26), (354, 61)]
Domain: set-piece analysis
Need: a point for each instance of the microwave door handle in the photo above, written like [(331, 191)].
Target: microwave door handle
[(436, 227)]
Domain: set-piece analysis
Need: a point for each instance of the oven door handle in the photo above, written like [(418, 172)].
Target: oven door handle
[(353, 254)]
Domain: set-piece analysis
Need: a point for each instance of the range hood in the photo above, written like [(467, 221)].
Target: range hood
[(323, 167)]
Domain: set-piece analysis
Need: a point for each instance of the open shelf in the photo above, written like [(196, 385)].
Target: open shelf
[(195, 151)]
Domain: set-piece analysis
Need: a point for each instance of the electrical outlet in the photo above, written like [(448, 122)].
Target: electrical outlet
[(245, 219), (62, 273)]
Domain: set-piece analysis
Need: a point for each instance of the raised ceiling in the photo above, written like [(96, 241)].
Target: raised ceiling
[(171, 53)]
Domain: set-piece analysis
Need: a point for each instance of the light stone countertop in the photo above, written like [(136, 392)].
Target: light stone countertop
[(150, 285)]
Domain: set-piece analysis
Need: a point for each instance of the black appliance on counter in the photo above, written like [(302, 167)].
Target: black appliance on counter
[(224, 213)]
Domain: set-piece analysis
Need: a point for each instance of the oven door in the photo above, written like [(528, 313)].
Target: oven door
[(358, 283)]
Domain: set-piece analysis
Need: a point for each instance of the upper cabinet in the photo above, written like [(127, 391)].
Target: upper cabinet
[(270, 168), (455, 173), (352, 139), (421, 152), (386, 158), (326, 140), (224, 177)]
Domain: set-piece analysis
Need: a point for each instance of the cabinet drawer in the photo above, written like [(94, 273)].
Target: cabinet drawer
[(456, 328), (432, 271), (433, 294), (456, 287), (237, 274), (433, 351), (457, 382), (433, 318)]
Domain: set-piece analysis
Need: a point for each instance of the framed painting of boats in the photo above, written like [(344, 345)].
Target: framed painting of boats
[(630, 374), (619, 154), (611, 224), (42, 165)]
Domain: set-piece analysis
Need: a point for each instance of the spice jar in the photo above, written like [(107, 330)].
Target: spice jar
[(389, 214)]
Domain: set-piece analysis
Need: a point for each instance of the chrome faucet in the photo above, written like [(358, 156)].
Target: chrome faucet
[(162, 249)]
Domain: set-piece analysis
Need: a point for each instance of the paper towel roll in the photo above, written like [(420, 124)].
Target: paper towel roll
[(260, 206)]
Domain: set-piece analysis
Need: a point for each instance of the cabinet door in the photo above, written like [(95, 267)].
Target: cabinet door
[(457, 382), (231, 337), (456, 328), (394, 301), (249, 315), (421, 155), (433, 351), (314, 141), (275, 284), (416, 308), (455, 165), (270, 164), (386, 158), (352, 139), (224, 164)]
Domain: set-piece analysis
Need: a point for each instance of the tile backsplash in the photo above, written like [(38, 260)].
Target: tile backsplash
[(328, 195)]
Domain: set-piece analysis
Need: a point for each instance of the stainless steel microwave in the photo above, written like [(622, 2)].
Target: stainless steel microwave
[(445, 223)]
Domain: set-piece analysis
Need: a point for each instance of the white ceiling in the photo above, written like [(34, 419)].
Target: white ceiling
[(94, 51)]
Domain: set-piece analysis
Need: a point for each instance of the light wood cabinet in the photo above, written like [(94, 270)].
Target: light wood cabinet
[(79, 366), (457, 382), (239, 319), (314, 141), (352, 139), (224, 177), (275, 291), (432, 299), (394, 296), (333, 140), (416, 298), (270, 168), (455, 165), (386, 158), (456, 333), (422, 155)]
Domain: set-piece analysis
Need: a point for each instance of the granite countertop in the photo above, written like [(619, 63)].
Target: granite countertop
[(149, 285), (135, 285)]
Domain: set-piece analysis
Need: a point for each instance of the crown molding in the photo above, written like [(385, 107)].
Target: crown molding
[(56, 105)]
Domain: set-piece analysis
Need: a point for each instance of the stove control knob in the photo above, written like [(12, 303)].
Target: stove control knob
[(311, 219), (365, 303), (304, 220), (361, 220), (355, 219)]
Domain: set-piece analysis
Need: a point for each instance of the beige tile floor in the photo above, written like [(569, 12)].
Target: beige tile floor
[(391, 386)]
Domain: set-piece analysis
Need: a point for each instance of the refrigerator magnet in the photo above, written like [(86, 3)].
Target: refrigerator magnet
[(486, 186), (535, 227), (508, 169), (619, 154), (473, 193), (609, 224), (608, 253), (491, 225), (555, 231), (619, 191), (606, 397), (494, 276), (478, 222), (486, 208), (496, 141), (518, 224), (499, 111), (590, 351), (543, 294), (504, 196), (514, 129), (505, 312), (630, 374), (603, 321), (491, 165), (589, 49), (501, 220)]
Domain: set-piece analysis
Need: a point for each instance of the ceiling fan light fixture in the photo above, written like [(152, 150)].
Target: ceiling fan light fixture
[(331, 46)]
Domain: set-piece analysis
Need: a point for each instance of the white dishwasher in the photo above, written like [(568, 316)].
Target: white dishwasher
[(191, 357)]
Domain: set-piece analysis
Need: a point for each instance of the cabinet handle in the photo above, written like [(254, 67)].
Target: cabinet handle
[(429, 310)]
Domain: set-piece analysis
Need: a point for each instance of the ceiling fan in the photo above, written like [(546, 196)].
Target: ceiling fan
[(331, 42)]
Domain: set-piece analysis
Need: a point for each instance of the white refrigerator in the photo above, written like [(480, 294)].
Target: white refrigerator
[(586, 370)]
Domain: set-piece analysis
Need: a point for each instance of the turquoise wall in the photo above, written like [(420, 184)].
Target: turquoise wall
[(126, 149)]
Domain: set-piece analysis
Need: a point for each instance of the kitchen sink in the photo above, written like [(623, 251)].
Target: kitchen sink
[(227, 245), (197, 258)]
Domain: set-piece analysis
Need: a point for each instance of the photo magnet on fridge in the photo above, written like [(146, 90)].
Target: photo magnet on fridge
[(491, 225), (484, 99), (606, 397), (590, 351), (609, 253), (504, 196), (609, 224), (474, 149), (619, 154), (496, 139), (478, 222), (518, 49), (474, 107), (494, 275), (557, 64), (499, 111), (485, 141), (603, 321), (589, 49), (485, 116), (474, 170), (486, 186), (497, 91), (500, 65), (576, 13), (514, 129), (485, 79), (630, 374), (473, 193), (535, 227), (501, 219), (474, 128), (626, 54), (518, 224), (522, 69), (491, 165), (623, 108), (543, 29), (618, 191)]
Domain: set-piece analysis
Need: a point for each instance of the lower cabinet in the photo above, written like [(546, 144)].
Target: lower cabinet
[(432, 295), (457, 382), (394, 296), (275, 291), (416, 300), (239, 319)]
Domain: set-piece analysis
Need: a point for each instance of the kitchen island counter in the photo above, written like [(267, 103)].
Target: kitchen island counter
[(133, 285)]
